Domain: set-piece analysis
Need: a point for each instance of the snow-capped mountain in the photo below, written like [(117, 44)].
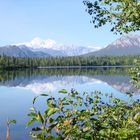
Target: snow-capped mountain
[(129, 41), (44, 48), (126, 45), (51, 47), (65, 50)]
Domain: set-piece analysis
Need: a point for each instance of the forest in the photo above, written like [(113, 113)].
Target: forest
[(16, 62)]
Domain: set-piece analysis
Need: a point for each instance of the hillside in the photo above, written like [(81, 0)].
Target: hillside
[(126, 45)]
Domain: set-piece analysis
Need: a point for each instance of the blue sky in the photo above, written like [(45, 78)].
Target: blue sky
[(64, 21)]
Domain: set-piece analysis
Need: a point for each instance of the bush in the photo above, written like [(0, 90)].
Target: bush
[(85, 116), (135, 72)]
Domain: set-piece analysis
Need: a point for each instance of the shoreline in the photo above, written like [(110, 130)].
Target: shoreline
[(66, 67), (82, 67)]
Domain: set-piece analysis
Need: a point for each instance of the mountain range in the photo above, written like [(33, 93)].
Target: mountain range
[(126, 45), (44, 48), (21, 51)]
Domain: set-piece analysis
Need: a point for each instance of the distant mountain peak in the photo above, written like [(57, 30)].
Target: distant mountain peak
[(51, 47), (20, 51), (38, 43), (125, 45), (126, 41)]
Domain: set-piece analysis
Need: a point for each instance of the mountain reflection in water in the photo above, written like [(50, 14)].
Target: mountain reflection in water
[(42, 80)]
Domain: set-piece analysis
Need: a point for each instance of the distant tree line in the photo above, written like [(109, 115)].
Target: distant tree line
[(16, 62)]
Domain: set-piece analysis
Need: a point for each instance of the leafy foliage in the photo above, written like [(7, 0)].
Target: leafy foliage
[(135, 71), (124, 15), (83, 116), (9, 122)]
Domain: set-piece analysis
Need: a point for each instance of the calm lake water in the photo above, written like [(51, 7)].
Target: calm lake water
[(17, 89)]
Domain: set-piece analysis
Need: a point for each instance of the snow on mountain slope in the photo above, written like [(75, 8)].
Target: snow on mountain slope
[(38, 43), (126, 41), (126, 45), (51, 47)]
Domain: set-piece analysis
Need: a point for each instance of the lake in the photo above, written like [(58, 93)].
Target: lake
[(19, 87)]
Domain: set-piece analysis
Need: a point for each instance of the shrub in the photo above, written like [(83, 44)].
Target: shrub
[(85, 116)]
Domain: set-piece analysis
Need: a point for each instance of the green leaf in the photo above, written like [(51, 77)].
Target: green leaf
[(44, 95), (50, 138), (51, 120), (52, 111), (137, 118), (64, 91), (88, 135), (32, 114), (40, 118), (11, 121), (31, 121), (34, 99)]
